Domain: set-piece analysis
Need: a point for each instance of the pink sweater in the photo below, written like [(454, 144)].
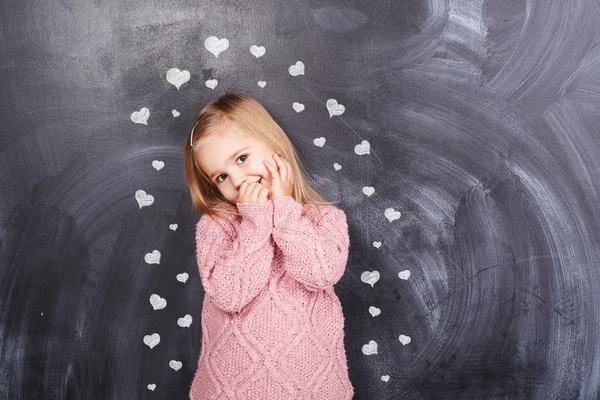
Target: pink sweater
[(272, 326)]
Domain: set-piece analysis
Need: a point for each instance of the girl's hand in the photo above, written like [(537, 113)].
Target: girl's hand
[(282, 182), (253, 192)]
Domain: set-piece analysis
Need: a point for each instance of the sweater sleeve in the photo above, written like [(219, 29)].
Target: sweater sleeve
[(314, 252), (235, 259)]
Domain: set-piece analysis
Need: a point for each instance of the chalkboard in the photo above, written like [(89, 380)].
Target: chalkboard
[(460, 138)]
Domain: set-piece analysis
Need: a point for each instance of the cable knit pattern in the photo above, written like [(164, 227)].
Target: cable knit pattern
[(272, 325)]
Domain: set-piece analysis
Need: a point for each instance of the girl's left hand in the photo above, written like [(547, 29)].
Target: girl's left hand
[(282, 182)]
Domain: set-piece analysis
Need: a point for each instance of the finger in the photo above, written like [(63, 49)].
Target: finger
[(271, 168), (283, 168)]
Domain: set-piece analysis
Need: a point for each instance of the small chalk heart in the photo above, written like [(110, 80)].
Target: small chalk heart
[(370, 348), (296, 69), (152, 340), (183, 277), (176, 365), (158, 303), (404, 339), (140, 117), (185, 322), (404, 274), (374, 311)]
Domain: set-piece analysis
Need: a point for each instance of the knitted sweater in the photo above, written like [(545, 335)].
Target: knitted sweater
[(272, 326)]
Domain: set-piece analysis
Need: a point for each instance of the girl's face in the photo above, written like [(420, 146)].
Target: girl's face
[(232, 157)]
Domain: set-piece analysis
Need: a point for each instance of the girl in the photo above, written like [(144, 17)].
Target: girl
[(269, 250)]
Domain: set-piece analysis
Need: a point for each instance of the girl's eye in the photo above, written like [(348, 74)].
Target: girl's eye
[(243, 155)]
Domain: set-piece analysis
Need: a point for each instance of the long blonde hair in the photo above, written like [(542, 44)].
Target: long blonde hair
[(251, 117)]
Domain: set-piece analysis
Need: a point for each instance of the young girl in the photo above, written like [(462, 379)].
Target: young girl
[(269, 250)]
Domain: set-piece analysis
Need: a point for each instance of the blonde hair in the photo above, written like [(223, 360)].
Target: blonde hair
[(252, 118)]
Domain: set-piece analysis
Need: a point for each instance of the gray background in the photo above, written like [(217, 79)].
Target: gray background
[(482, 118)]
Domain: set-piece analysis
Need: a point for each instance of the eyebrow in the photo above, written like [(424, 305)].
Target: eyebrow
[(231, 157)]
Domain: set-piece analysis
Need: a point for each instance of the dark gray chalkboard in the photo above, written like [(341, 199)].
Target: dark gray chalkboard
[(482, 121)]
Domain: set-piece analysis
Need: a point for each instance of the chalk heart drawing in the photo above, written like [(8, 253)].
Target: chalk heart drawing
[(216, 45), (370, 277), (404, 274), (143, 199), (370, 348), (176, 365), (334, 108), (296, 69), (185, 322), (374, 311), (262, 84), (363, 148), (319, 141), (152, 386), (404, 339), (368, 190), (385, 378), (173, 227), (152, 340), (392, 214), (158, 165), (140, 117), (152, 258), (183, 277), (177, 78), (158, 303), (211, 83), (377, 244), (299, 107), (337, 166), (175, 113), (257, 51)]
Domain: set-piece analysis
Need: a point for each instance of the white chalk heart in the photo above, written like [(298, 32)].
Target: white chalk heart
[(337, 166), (257, 51), (143, 199), (385, 378), (404, 339), (177, 78), (158, 165), (140, 117), (211, 83), (152, 386), (374, 311), (216, 45), (377, 244), (404, 274), (152, 258), (319, 141), (158, 303), (370, 348), (152, 340), (262, 84), (183, 277), (392, 214), (363, 148), (370, 277), (334, 108), (368, 190), (173, 227), (175, 113), (176, 365), (299, 107), (185, 322), (296, 69)]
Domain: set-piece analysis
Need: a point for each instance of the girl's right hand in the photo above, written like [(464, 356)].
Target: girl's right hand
[(253, 192)]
